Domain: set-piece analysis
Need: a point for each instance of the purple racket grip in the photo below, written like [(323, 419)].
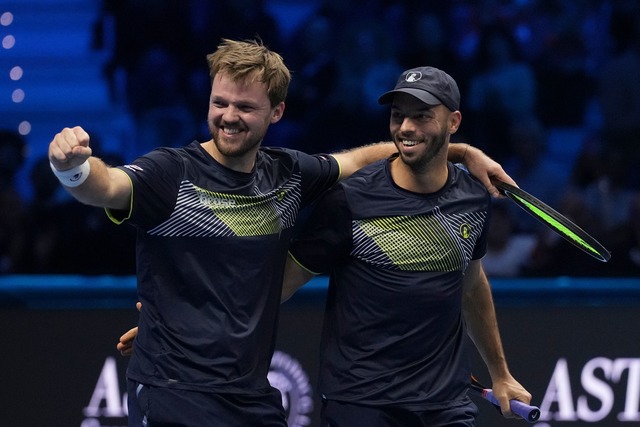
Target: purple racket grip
[(527, 412)]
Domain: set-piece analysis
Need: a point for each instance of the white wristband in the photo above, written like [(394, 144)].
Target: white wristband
[(74, 176)]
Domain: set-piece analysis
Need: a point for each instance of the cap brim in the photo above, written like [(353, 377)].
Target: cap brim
[(422, 95)]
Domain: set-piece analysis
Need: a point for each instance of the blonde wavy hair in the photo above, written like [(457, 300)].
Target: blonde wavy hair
[(250, 60)]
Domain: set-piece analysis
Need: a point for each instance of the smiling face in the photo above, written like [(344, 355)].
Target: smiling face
[(420, 131), (239, 115)]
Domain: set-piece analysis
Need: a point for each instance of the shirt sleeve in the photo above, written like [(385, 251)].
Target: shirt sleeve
[(325, 239), (155, 179), (319, 173)]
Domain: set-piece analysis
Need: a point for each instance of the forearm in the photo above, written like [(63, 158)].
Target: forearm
[(458, 152), (482, 327), (479, 165), (353, 159), (104, 187)]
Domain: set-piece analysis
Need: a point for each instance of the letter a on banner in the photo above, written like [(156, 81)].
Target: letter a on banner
[(108, 390), (559, 390)]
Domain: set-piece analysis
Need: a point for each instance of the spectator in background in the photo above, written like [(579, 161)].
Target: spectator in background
[(532, 170), (366, 65), (601, 198), (588, 165), (111, 249), (428, 42), (141, 25), (314, 62), (315, 72), (554, 256), (602, 180), (598, 200), (503, 91), (609, 197), (508, 251), (55, 222), (565, 87), (238, 19), (625, 244), (12, 155), (619, 91), (43, 231), (157, 89)]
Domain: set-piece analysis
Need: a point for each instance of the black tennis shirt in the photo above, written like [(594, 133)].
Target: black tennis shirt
[(393, 331), (211, 247)]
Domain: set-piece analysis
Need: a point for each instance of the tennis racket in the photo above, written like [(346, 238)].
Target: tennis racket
[(554, 220), (527, 412)]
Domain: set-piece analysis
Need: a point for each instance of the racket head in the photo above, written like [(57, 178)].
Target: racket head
[(553, 219)]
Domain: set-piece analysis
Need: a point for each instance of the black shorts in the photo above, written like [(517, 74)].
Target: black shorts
[(340, 414), (151, 406)]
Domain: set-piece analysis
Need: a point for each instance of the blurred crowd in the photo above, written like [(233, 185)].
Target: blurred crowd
[(525, 69)]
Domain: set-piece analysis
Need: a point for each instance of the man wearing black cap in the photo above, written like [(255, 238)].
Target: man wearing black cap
[(402, 240)]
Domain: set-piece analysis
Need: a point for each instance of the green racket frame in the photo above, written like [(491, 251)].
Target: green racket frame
[(554, 220)]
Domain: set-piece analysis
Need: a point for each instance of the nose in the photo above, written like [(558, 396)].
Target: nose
[(407, 126), (230, 114)]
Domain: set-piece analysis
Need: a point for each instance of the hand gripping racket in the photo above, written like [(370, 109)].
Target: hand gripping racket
[(527, 412), (554, 220)]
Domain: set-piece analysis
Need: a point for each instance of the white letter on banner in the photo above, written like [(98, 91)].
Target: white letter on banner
[(597, 388), (106, 389), (632, 401), (559, 390)]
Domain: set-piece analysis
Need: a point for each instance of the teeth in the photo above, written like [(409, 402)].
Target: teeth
[(231, 131), (409, 143)]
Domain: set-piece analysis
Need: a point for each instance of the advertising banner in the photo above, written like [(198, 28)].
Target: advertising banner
[(579, 358)]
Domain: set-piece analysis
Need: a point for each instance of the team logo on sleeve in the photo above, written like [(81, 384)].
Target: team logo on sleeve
[(134, 168)]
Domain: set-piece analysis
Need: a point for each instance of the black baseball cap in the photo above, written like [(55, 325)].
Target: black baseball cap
[(429, 84)]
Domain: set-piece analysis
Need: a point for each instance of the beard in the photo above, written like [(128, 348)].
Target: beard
[(234, 149), (420, 162)]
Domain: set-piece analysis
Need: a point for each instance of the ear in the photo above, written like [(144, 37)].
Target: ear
[(455, 119), (277, 113)]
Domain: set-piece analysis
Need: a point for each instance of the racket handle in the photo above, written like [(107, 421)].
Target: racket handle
[(527, 412)]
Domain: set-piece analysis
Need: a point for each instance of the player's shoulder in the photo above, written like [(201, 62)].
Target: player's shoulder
[(189, 151), (296, 159), (289, 153), (161, 160), (370, 175), (461, 178)]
